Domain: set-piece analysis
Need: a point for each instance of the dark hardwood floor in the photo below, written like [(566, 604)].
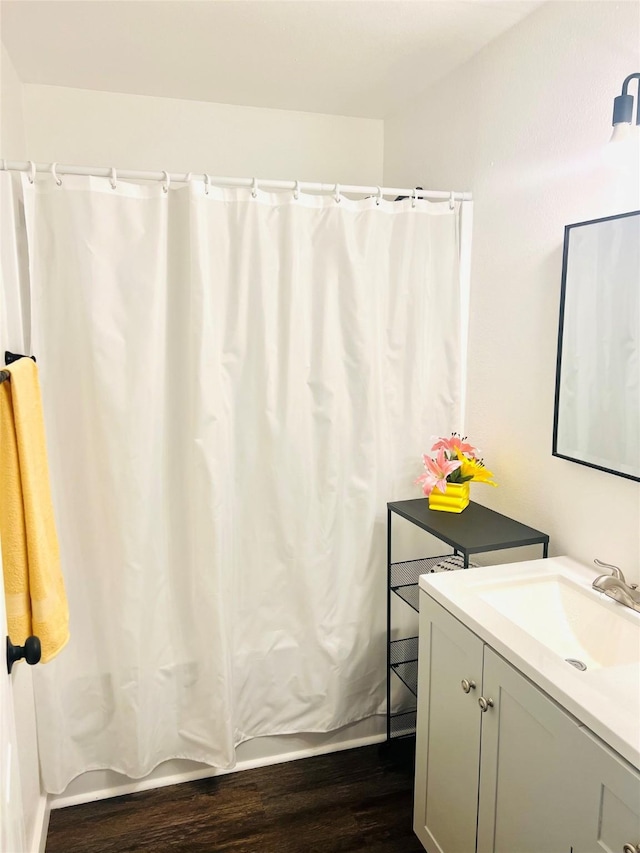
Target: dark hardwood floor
[(357, 800)]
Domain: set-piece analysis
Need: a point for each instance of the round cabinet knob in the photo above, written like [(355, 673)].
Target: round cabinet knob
[(468, 685), (485, 704)]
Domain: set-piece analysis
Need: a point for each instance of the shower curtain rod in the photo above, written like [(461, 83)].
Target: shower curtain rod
[(251, 183)]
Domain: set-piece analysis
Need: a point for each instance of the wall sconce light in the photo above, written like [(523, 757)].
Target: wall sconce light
[(623, 111)]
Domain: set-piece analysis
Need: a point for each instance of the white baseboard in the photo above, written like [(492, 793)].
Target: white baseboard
[(161, 778)]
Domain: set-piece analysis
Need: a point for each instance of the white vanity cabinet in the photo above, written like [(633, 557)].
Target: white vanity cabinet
[(521, 776)]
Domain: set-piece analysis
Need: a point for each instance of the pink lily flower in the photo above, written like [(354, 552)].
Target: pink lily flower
[(427, 482), (436, 473), (455, 443)]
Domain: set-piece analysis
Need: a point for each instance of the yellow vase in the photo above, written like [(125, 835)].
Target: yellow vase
[(455, 499)]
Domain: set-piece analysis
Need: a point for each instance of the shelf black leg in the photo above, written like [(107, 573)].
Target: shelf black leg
[(388, 625)]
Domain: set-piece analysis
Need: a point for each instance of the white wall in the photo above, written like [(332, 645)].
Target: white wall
[(34, 801), (524, 125), (12, 133), (140, 132)]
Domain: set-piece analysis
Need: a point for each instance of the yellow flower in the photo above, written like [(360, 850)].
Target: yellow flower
[(474, 469)]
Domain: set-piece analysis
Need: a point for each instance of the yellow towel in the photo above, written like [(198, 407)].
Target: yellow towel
[(34, 589)]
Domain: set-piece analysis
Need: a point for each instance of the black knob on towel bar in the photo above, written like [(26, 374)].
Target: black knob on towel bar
[(10, 357), (31, 652)]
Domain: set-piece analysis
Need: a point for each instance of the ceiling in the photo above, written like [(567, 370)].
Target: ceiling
[(362, 58)]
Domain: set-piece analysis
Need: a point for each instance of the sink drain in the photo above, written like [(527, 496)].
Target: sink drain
[(577, 663)]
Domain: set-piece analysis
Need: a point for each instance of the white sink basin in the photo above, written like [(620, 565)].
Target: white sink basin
[(573, 621)]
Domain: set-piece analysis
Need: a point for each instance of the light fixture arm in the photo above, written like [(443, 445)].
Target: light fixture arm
[(631, 77), (623, 104)]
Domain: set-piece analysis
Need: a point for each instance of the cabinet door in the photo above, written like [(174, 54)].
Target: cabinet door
[(448, 732), (605, 797), (524, 743)]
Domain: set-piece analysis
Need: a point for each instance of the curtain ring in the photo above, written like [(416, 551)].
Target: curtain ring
[(378, 196), (32, 176), (167, 182), (113, 178), (296, 191), (414, 196), (336, 194), (254, 187), (452, 201), (55, 176), (206, 184)]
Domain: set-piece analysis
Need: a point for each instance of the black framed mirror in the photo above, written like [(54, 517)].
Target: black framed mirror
[(597, 401)]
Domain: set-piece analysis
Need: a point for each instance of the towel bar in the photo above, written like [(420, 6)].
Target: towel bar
[(10, 357)]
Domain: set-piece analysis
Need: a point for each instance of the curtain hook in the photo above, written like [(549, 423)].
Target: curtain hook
[(414, 196), (113, 178), (206, 184), (378, 196), (254, 187), (336, 194), (167, 182), (55, 176), (296, 191), (32, 176), (452, 201)]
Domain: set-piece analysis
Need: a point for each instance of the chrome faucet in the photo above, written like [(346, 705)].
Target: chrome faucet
[(615, 586)]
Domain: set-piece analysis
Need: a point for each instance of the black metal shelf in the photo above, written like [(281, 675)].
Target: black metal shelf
[(404, 650), (403, 724), (405, 575), (476, 530), (404, 661), (408, 673)]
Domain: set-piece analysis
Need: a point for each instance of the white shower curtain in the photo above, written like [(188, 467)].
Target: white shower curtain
[(234, 387)]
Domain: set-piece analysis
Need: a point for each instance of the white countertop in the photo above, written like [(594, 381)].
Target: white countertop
[(606, 700)]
